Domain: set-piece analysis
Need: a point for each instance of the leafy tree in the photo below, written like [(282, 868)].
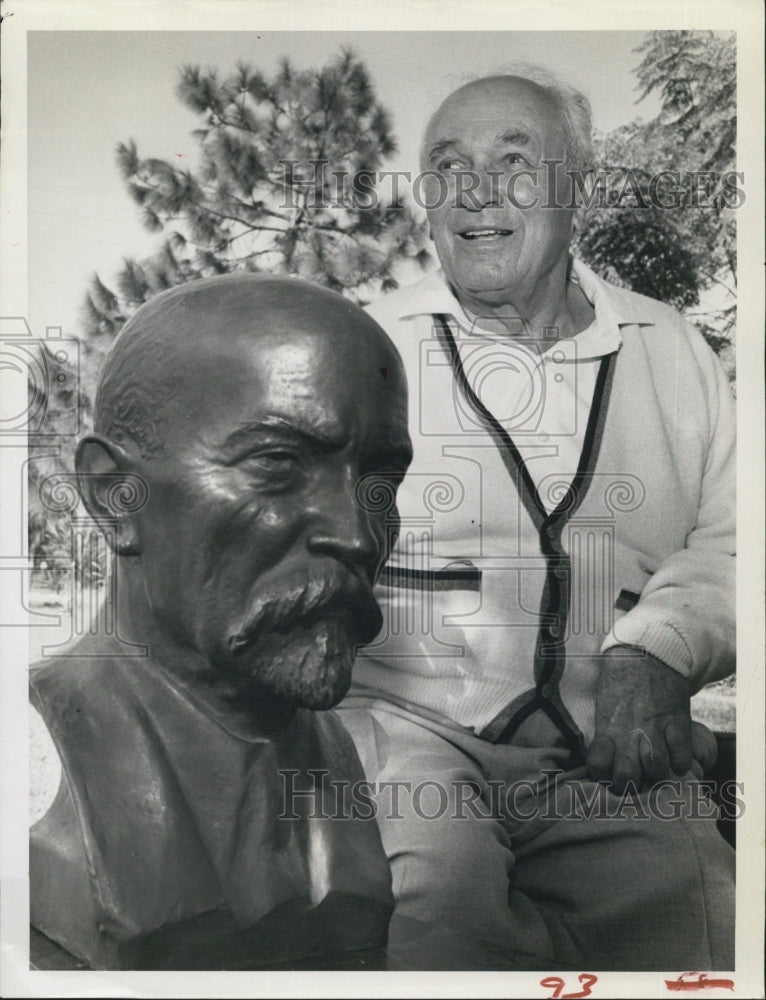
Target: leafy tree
[(285, 184), (673, 235)]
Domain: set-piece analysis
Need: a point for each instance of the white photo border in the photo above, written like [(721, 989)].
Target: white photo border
[(746, 17)]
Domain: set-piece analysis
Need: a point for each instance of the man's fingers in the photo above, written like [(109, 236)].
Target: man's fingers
[(678, 738), (654, 757), (627, 770), (704, 746), (600, 760)]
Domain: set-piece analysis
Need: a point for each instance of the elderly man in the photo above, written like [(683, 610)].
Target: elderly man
[(564, 576), (249, 407)]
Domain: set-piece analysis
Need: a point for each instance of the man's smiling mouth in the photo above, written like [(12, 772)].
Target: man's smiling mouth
[(484, 234)]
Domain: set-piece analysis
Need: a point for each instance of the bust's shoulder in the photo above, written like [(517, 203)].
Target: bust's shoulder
[(57, 674), (76, 684)]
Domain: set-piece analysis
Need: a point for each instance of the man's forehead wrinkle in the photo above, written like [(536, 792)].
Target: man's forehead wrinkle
[(542, 119), (511, 136), (515, 137), (442, 146)]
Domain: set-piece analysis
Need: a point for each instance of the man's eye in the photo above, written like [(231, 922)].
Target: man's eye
[(449, 166), (514, 158)]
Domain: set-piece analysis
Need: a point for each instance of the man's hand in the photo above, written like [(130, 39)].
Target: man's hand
[(644, 730)]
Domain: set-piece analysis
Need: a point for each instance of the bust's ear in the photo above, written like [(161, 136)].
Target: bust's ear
[(106, 478)]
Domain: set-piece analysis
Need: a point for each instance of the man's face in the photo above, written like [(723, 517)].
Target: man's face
[(484, 142), (254, 548)]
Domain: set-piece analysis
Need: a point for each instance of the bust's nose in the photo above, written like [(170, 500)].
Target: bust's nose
[(340, 527)]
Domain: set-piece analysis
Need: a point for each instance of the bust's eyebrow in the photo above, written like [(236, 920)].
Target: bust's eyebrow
[(274, 427)]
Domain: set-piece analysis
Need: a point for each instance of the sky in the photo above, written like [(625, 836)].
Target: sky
[(89, 90)]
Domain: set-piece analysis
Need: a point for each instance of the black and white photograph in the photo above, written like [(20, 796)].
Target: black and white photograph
[(381, 475)]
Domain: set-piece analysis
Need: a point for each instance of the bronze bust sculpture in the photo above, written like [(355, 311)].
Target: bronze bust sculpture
[(250, 407)]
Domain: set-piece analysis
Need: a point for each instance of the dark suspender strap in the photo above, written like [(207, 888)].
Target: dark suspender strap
[(594, 431), (525, 484), (550, 648)]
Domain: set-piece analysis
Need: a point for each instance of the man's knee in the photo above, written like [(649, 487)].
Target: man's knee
[(435, 817), (664, 886)]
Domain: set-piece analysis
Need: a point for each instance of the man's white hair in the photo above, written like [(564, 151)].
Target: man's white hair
[(573, 107)]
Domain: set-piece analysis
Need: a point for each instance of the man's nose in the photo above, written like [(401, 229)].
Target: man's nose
[(479, 188), (341, 527)]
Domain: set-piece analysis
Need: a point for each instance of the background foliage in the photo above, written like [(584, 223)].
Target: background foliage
[(684, 254)]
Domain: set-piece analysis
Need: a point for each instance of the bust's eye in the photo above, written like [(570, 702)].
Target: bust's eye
[(274, 460)]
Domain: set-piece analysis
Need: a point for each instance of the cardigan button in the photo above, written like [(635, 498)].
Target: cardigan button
[(546, 691)]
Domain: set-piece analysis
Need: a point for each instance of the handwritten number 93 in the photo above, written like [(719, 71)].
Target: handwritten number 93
[(557, 984)]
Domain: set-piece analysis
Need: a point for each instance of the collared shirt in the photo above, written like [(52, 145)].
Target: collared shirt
[(651, 548), (542, 398)]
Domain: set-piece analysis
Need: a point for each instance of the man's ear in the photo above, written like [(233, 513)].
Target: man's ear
[(110, 489), (579, 219), (582, 199)]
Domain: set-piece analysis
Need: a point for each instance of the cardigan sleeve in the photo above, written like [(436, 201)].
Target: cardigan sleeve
[(686, 613)]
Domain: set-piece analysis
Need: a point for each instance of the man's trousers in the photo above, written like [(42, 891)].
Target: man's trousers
[(514, 847)]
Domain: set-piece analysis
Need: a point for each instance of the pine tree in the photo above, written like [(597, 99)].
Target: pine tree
[(285, 184)]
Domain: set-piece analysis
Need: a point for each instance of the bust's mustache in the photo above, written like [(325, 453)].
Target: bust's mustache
[(339, 595)]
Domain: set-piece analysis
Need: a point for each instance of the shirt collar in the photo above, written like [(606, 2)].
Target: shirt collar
[(614, 308)]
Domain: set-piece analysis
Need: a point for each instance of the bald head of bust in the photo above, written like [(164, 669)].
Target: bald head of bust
[(149, 374)]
